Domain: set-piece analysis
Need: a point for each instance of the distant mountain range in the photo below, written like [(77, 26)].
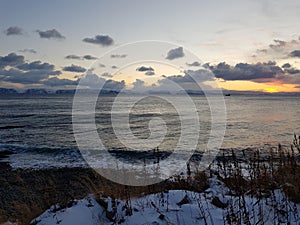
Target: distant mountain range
[(41, 91)]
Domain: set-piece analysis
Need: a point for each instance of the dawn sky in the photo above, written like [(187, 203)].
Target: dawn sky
[(248, 45)]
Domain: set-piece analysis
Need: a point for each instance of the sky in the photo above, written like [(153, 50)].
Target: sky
[(249, 45)]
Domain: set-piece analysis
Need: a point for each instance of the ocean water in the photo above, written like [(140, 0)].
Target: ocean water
[(38, 129)]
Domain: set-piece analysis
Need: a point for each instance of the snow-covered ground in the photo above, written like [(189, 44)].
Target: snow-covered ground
[(212, 206)]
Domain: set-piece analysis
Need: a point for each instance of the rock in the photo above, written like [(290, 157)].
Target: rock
[(218, 203)]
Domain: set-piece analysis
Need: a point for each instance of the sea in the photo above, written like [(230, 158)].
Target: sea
[(38, 129)]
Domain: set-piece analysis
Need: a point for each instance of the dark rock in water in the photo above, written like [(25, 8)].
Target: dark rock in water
[(4, 166), (11, 127), (184, 201), (218, 203), (5, 154)]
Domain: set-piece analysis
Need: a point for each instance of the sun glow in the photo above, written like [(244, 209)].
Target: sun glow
[(270, 90)]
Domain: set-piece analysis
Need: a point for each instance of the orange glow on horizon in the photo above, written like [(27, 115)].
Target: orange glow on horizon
[(264, 87), (271, 90)]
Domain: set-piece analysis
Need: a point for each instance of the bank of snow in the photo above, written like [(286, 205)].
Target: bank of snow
[(214, 206)]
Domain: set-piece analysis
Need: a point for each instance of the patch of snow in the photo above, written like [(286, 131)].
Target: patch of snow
[(175, 207)]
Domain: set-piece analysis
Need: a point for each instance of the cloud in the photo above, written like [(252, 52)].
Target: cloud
[(280, 49), (286, 66), (175, 53), (193, 81), (36, 65), (139, 86), (150, 73), (89, 57), (25, 77), (74, 68), (54, 81), (266, 72), (194, 64), (13, 31), (50, 34), (144, 69), (295, 53), (200, 75), (11, 59), (114, 85), (73, 57), (279, 44), (77, 57), (103, 40), (14, 69), (94, 81), (106, 75), (245, 71), (28, 50), (118, 56)]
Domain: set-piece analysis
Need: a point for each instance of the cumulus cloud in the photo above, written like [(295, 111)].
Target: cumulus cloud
[(14, 69), (289, 69), (295, 53), (175, 53), (94, 81), (13, 31), (74, 68), (73, 57), (28, 50), (103, 40), (286, 66), (139, 86), (184, 82), (11, 59), (194, 64), (50, 34), (77, 57), (118, 56), (245, 71), (36, 65), (260, 72), (106, 75), (144, 69), (54, 81), (89, 57), (26, 77), (150, 73), (200, 75)]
